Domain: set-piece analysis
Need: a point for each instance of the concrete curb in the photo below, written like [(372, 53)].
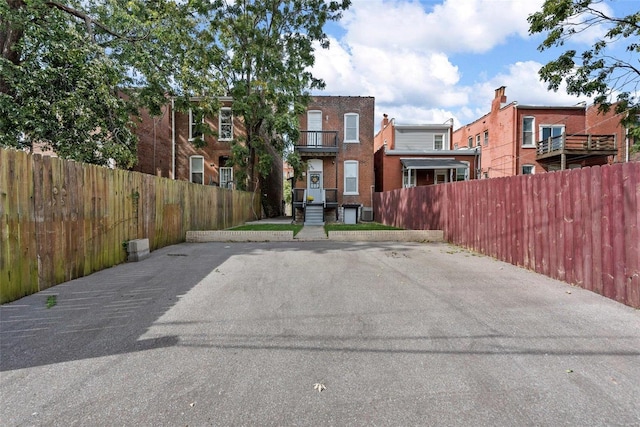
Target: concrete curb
[(388, 236), (338, 236), (238, 236)]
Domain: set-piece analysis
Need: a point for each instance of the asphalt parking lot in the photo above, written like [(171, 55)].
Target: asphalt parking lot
[(318, 333)]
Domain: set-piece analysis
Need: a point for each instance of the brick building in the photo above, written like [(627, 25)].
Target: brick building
[(336, 143), (166, 148), (415, 155), (523, 139)]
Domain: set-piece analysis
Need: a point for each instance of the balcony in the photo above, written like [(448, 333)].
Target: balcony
[(317, 143), (562, 149)]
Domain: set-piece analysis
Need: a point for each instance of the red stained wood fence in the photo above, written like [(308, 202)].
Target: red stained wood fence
[(579, 226), (60, 220)]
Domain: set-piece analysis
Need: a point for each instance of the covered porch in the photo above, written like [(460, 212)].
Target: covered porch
[(429, 171)]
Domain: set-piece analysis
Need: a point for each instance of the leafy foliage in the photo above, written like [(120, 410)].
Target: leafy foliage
[(262, 52), (75, 74), (611, 79)]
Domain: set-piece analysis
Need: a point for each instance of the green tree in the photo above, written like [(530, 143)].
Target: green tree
[(263, 52), (75, 74), (610, 76)]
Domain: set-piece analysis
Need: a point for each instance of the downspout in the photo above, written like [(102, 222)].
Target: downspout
[(173, 139), (516, 127)]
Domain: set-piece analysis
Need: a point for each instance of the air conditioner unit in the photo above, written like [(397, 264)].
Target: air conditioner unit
[(367, 214)]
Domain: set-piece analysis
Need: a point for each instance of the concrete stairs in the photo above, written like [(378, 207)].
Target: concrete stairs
[(314, 215)]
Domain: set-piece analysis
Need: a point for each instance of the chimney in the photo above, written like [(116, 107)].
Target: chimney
[(385, 120), (500, 99)]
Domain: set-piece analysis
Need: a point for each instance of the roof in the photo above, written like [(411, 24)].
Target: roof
[(433, 163)]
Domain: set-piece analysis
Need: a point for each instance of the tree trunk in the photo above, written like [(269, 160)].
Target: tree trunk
[(10, 35)]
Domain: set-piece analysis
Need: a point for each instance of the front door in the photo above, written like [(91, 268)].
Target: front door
[(314, 180)]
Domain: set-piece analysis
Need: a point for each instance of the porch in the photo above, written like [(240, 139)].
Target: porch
[(559, 151), (314, 210)]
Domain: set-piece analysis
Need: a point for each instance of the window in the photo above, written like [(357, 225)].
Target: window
[(478, 140), (225, 125), (351, 127), (527, 131), (194, 125), (528, 169), (486, 138), (462, 174), (470, 142), (226, 177), (438, 142), (408, 178), (551, 136), (196, 169), (351, 177)]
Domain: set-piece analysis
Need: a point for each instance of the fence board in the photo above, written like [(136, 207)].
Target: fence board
[(60, 220), (618, 230), (608, 286), (631, 196), (577, 231), (581, 225)]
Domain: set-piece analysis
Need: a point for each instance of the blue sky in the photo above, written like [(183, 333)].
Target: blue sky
[(428, 61)]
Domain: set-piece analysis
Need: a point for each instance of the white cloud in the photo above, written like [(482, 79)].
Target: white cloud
[(400, 52), (453, 26)]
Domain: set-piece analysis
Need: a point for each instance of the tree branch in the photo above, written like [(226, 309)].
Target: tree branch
[(89, 22)]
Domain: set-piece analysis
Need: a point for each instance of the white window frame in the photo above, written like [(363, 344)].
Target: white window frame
[(191, 125), (486, 138), (465, 175), (532, 170), (192, 171), (478, 140), (440, 173), (357, 128), (442, 136), (346, 177), (221, 124), (533, 132), (556, 144), (470, 142), (408, 178), (225, 170)]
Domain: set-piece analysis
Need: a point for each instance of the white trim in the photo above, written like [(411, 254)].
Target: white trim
[(533, 169), (357, 129), (222, 171), (225, 109), (191, 137), (357, 177), (191, 170), (533, 132)]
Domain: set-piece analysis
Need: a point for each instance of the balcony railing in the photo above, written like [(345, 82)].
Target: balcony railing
[(318, 141), (577, 144)]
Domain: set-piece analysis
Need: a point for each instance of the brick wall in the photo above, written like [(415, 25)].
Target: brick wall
[(333, 110)]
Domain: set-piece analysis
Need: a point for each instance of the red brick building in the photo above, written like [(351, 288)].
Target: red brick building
[(166, 148), (523, 139), (415, 155), (336, 143)]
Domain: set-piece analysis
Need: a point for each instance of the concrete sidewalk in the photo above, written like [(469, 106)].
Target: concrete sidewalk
[(241, 333)]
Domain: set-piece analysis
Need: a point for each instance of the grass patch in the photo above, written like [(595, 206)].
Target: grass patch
[(51, 301), (269, 227), (363, 226)]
